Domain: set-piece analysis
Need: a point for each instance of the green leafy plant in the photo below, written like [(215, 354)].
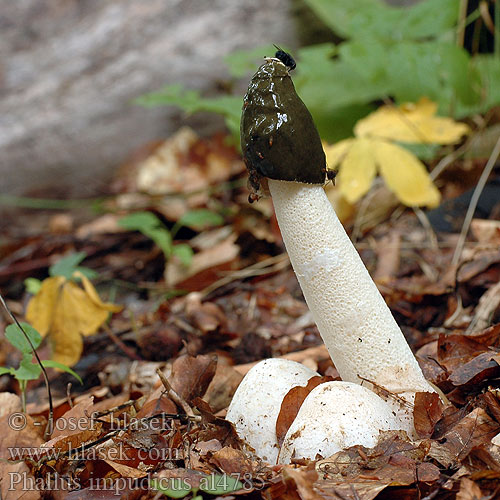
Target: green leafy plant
[(403, 53), (214, 484), (28, 370), (66, 267), (151, 226)]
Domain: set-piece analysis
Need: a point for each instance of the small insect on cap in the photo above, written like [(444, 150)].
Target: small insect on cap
[(278, 137), (285, 58)]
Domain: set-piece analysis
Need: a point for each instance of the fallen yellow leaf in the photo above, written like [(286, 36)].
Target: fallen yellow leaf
[(371, 149), (40, 310), (358, 170), (335, 153), (402, 171), (64, 311), (411, 122), (405, 175)]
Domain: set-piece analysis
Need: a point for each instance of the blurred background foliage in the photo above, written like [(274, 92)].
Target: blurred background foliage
[(385, 53)]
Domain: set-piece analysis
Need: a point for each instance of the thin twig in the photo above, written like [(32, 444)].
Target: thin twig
[(448, 160), (173, 395), (474, 201), (68, 394), (424, 220), (50, 422), (266, 266), (121, 345)]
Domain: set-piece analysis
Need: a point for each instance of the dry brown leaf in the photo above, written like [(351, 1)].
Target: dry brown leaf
[(222, 387), (191, 375), (361, 473), (469, 490), (473, 431), (221, 254), (291, 404), (75, 428), (302, 481), (9, 403), (486, 231), (157, 402), (427, 410), (15, 477), (125, 470), (483, 366), (232, 461)]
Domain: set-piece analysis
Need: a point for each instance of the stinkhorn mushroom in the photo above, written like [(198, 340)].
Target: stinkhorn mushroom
[(283, 153)]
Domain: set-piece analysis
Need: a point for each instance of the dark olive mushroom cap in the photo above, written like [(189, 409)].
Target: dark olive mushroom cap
[(278, 137)]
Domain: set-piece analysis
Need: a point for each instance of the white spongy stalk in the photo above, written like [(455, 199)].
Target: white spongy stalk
[(354, 321)]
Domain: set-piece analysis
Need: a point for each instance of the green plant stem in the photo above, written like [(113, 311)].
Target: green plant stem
[(462, 13), (22, 386), (497, 29), (46, 203)]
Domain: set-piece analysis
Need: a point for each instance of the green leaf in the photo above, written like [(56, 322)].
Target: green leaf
[(174, 487), (50, 363), (198, 219), (32, 285), (367, 59), (218, 484), (27, 369), (162, 238), (326, 84), (338, 14), (67, 265), (244, 62), (425, 152), (191, 102), (338, 124), (184, 252), (4, 370), (16, 337), (374, 18), (409, 66), (139, 221), (87, 272), (428, 18), (486, 68), (152, 227)]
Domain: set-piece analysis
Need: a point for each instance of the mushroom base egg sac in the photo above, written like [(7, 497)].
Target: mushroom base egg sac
[(278, 137)]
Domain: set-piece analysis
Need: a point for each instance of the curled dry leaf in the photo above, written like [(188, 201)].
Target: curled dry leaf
[(359, 473), (233, 461), (192, 375), (222, 387), (10, 441), (291, 404), (427, 410), (473, 431)]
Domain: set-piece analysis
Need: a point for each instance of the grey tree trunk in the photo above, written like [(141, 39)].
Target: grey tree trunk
[(69, 70)]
